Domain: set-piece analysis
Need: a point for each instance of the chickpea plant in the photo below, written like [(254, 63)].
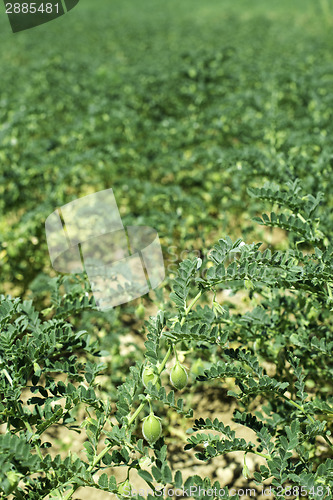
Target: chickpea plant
[(48, 370)]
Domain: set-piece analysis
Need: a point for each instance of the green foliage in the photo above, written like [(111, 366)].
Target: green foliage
[(287, 328), (179, 108)]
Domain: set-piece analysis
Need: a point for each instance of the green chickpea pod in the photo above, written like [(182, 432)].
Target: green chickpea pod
[(178, 376), (151, 428), (148, 375), (125, 489)]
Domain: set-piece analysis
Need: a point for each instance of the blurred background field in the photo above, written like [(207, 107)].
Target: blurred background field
[(177, 106)]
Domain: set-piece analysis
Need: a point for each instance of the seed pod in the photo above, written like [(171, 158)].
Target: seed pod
[(140, 311), (124, 489), (151, 428), (178, 376), (246, 470), (148, 375), (218, 309)]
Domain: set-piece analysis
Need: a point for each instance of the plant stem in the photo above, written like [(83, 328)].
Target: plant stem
[(175, 351), (165, 359), (301, 218), (300, 408), (260, 454), (187, 309), (70, 493), (9, 378), (28, 426), (136, 413)]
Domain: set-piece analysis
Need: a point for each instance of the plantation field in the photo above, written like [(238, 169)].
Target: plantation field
[(179, 109), (201, 116)]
